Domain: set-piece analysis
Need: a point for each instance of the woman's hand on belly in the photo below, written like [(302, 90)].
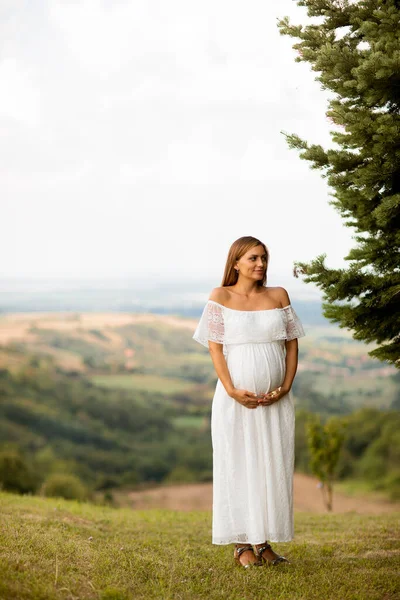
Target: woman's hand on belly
[(272, 396), (245, 398)]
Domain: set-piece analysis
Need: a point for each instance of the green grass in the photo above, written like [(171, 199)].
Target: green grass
[(190, 421), (66, 550), (362, 487), (150, 383)]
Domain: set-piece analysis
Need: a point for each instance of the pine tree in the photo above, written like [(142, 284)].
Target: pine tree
[(355, 49)]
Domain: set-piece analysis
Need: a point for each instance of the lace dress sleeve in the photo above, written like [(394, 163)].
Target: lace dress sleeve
[(211, 325), (294, 328)]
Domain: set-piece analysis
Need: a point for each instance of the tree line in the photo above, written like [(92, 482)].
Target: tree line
[(54, 426)]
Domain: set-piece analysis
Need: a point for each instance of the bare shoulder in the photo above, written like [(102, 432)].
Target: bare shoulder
[(280, 294), (219, 294)]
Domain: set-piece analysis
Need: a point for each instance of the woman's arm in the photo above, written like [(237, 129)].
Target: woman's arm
[(244, 397), (291, 359), (292, 354), (292, 349), (220, 366)]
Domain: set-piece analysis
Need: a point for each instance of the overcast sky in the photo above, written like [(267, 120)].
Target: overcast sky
[(142, 137)]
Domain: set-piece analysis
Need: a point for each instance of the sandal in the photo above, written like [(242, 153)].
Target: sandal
[(238, 551), (258, 551)]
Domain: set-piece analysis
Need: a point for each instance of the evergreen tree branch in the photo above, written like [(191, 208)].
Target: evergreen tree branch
[(355, 52)]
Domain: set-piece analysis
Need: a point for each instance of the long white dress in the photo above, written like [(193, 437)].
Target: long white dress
[(253, 449)]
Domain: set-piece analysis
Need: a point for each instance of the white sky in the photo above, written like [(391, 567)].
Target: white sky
[(143, 137)]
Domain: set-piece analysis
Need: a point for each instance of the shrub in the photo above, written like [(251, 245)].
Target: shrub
[(15, 473), (63, 485), (180, 474)]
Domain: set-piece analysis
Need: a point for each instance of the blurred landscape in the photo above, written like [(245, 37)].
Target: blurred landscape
[(106, 385)]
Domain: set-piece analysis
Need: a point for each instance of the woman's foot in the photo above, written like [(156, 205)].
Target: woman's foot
[(265, 552), (244, 556)]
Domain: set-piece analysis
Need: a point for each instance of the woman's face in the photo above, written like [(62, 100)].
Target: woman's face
[(253, 264)]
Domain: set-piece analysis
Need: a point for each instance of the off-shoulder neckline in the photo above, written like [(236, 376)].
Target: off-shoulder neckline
[(247, 311)]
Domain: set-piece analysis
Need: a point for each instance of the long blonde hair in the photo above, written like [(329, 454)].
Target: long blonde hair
[(236, 251)]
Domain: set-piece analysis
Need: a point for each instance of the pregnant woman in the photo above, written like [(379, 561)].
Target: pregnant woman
[(251, 332)]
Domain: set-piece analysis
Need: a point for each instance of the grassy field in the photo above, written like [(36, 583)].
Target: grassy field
[(54, 549), (150, 383), (191, 421)]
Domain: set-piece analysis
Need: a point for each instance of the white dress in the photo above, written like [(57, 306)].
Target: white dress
[(253, 449)]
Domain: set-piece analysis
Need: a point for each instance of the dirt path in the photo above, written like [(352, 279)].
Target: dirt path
[(307, 497)]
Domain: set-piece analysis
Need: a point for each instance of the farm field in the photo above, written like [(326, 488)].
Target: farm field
[(156, 352), (124, 400), (151, 383)]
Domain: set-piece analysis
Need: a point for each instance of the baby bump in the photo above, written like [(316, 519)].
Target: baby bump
[(257, 367)]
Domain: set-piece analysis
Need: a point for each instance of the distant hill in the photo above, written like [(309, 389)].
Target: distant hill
[(123, 398), (175, 298)]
